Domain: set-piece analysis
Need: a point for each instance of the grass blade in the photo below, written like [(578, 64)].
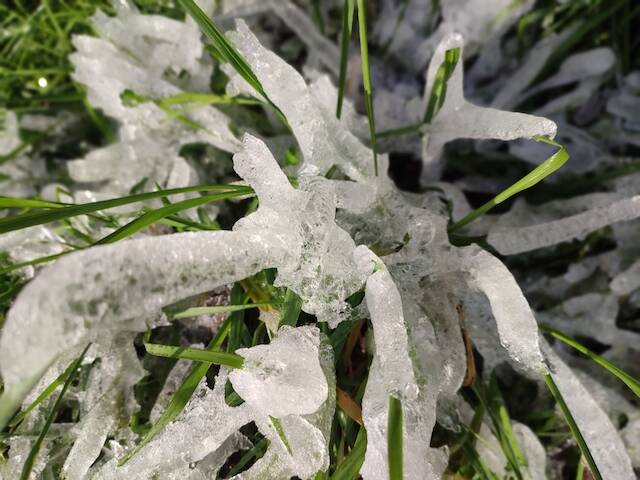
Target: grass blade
[(631, 382), (550, 165), (33, 453), (290, 310), (184, 393), (60, 379), (439, 88), (395, 439), (198, 354), (18, 222), (366, 80), (153, 216), (278, 426), (573, 426), (350, 466), (196, 311), (345, 40)]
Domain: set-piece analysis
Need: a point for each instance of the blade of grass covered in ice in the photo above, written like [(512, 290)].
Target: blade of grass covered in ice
[(30, 219), (59, 380), (35, 448), (345, 39), (395, 439), (185, 391), (278, 426), (196, 311), (198, 354), (550, 165), (573, 426), (349, 468), (631, 382), (366, 81)]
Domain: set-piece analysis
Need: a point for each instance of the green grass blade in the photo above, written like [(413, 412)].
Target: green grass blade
[(196, 311), (184, 393), (278, 426), (573, 426), (35, 261), (11, 202), (154, 216), (349, 468), (395, 439), (550, 165), (33, 453), (345, 40), (631, 382), (30, 219), (439, 88), (60, 379), (366, 80), (290, 310), (223, 46), (198, 354), (256, 452)]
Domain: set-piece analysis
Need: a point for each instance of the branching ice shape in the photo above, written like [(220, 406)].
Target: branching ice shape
[(461, 119)]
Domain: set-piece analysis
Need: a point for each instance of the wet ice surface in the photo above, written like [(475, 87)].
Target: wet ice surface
[(421, 292)]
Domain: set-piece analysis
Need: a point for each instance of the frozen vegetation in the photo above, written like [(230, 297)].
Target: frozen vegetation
[(398, 312)]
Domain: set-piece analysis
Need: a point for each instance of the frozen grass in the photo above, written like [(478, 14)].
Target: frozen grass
[(348, 438)]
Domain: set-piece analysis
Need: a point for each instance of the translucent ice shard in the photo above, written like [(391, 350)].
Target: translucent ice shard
[(283, 377), (458, 118), (601, 436), (526, 228), (391, 375)]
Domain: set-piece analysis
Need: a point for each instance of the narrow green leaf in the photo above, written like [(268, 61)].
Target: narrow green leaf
[(35, 261), (631, 382), (345, 40), (153, 216), (550, 165), (366, 80), (349, 468), (255, 452), (278, 426), (573, 426), (59, 380), (198, 354), (196, 311), (30, 219), (395, 439), (290, 309), (439, 87), (35, 448)]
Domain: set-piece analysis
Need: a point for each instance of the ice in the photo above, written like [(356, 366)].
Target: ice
[(626, 282), (601, 436), (285, 376), (391, 374), (322, 139), (527, 228), (461, 119)]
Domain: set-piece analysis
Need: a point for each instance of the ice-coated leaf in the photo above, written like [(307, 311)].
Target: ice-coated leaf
[(460, 119), (526, 228)]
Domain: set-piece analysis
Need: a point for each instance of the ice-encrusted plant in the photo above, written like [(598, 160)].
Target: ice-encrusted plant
[(337, 230)]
